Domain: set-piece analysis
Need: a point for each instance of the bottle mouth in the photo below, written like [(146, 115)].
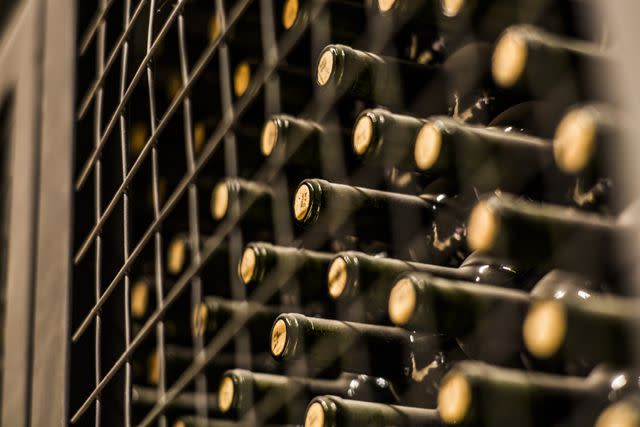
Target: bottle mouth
[(279, 338), (140, 299), (177, 255), (330, 65), (326, 65), (364, 133), (137, 138), (385, 6), (619, 414), (287, 336), (235, 392), (269, 137), (247, 268), (402, 301), (290, 13), (214, 28), (342, 277), (302, 202), (220, 200), (574, 143), (509, 58), (153, 367), (454, 398), (452, 8), (241, 78), (483, 227), (321, 412), (544, 329), (226, 394), (315, 415), (428, 146), (199, 320), (306, 202)]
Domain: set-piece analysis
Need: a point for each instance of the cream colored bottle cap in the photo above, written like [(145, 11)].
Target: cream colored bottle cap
[(509, 59), (454, 398), (325, 67), (545, 328), (574, 143), (290, 13), (483, 227)]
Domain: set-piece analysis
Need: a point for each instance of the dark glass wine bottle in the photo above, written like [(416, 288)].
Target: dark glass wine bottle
[(355, 275), (538, 65), (281, 266), (479, 160), (333, 411), (427, 227), (214, 313), (408, 360), (474, 393), (385, 137), (580, 334), (486, 320), (551, 237), (242, 391), (587, 143), (254, 204)]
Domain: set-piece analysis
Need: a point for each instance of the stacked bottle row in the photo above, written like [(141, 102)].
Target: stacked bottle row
[(475, 264)]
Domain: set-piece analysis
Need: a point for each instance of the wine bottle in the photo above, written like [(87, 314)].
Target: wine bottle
[(293, 93), (463, 19), (481, 159), (623, 413), (179, 254), (263, 263), (176, 359), (343, 21), (584, 137), (254, 204), (539, 65), (300, 146), (555, 237), (143, 298), (586, 144), (426, 226), (353, 275), (370, 77), (146, 398), (382, 351), (385, 137), (213, 313), (203, 25), (191, 421), (484, 319), (333, 411), (413, 25), (280, 399), (583, 333), (179, 257), (474, 393), (179, 357), (297, 138)]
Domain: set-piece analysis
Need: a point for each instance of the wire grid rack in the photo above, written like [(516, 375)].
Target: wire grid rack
[(109, 43), (157, 112)]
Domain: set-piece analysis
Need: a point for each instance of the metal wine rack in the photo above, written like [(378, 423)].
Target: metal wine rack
[(127, 166)]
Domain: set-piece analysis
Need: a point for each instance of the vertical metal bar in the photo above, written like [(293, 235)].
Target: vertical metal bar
[(161, 388), (242, 344), (98, 204), (125, 222), (194, 227), (281, 217)]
